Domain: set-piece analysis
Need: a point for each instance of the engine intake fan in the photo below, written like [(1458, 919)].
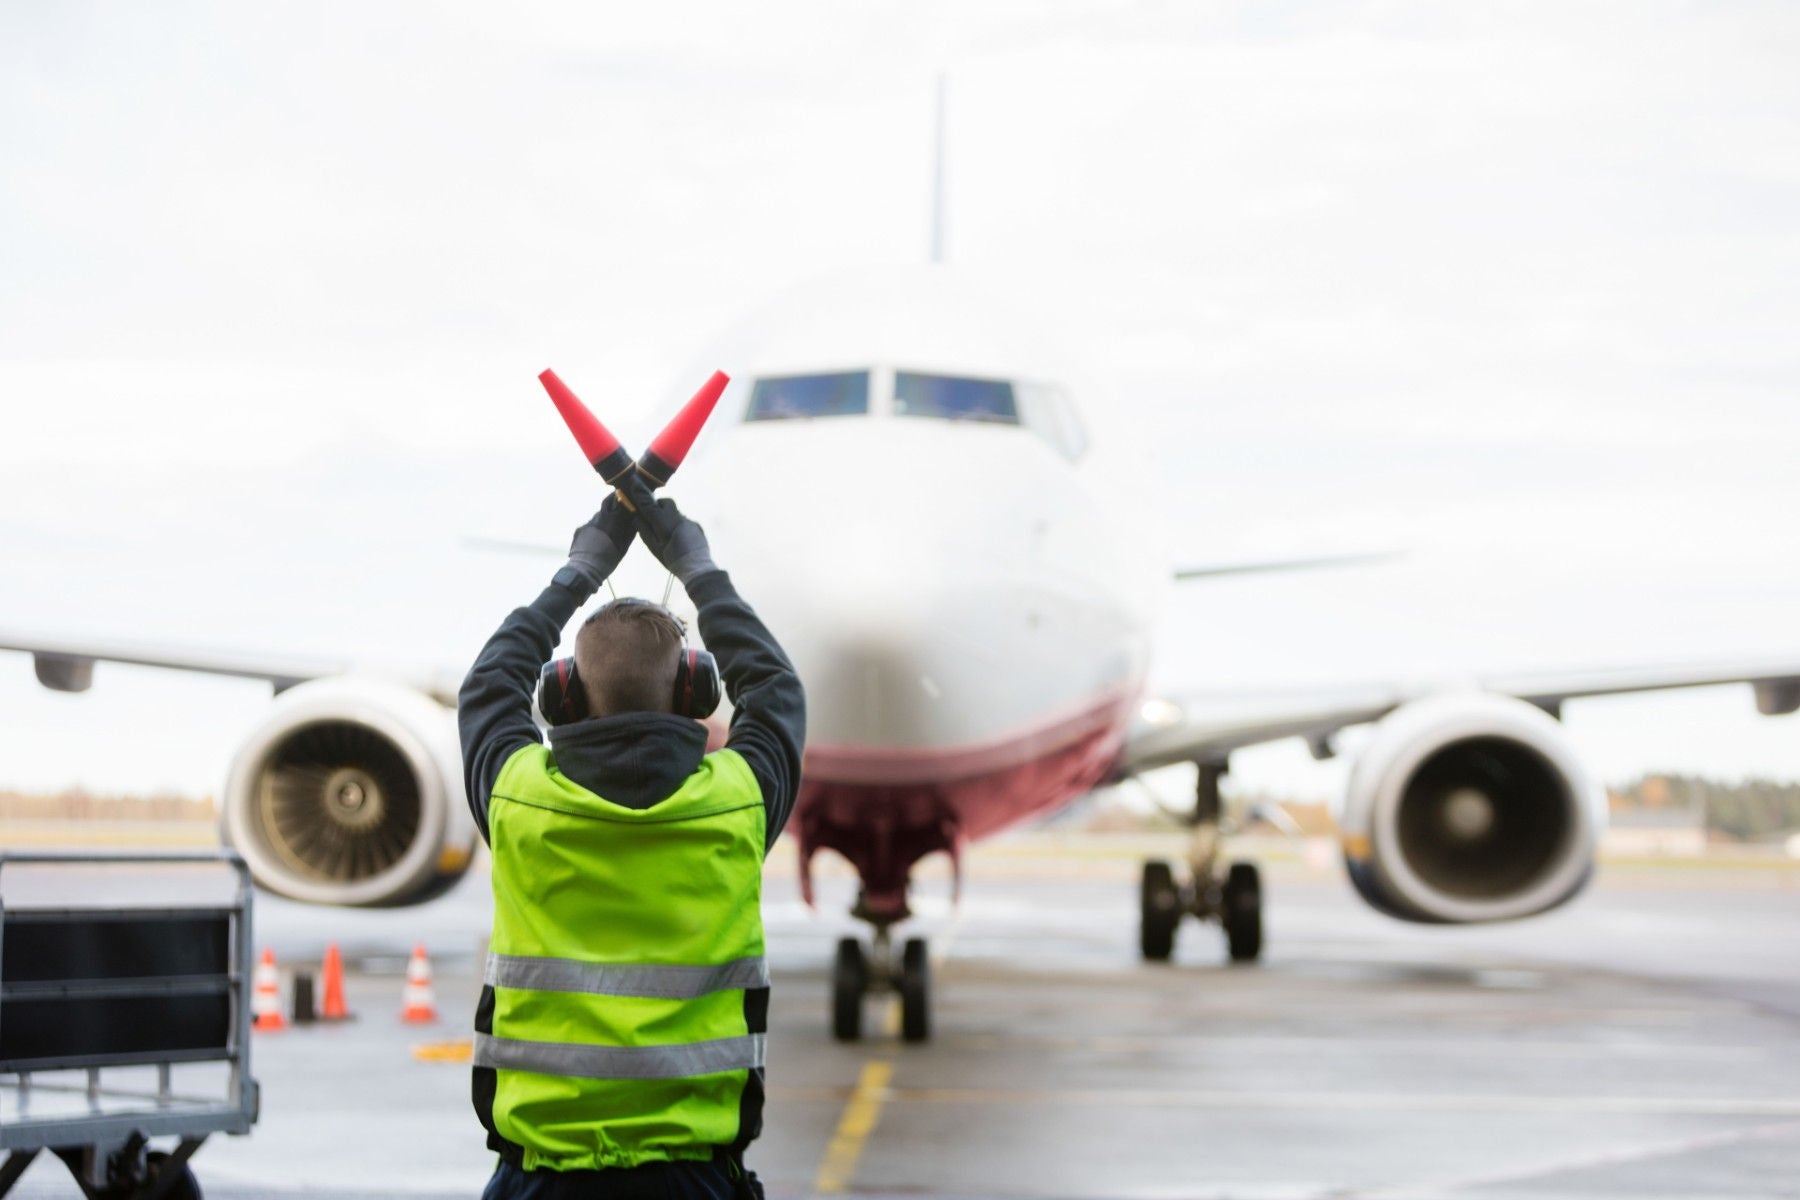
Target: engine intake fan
[(351, 793), (1469, 807)]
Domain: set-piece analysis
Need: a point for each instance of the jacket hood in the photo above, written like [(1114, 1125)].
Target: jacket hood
[(634, 759)]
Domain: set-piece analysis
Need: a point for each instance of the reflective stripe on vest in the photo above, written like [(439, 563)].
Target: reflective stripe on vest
[(617, 979), (681, 1061)]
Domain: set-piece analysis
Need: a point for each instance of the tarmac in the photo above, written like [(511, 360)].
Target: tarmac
[(1640, 1042)]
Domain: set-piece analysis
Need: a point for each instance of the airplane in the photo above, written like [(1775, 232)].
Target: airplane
[(966, 562)]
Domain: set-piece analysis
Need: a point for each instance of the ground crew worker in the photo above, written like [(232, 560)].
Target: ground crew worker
[(619, 1036)]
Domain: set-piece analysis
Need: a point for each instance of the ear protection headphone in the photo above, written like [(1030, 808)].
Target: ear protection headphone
[(562, 698)]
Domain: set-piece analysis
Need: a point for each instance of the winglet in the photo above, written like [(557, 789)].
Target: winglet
[(600, 447), (677, 438)]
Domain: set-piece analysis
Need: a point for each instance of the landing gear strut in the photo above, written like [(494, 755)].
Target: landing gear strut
[(1232, 896), (855, 975)]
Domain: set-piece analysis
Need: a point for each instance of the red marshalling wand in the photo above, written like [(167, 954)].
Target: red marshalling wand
[(667, 449)]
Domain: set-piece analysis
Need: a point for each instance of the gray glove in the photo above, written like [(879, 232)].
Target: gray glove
[(599, 545), (677, 541)]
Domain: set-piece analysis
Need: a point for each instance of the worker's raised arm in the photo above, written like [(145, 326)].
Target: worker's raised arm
[(493, 707), (768, 720), (768, 723)]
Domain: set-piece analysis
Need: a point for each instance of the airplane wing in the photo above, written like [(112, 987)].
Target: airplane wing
[(1204, 726), (1275, 566), (67, 664)]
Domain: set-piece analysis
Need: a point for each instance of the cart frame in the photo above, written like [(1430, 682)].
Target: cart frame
[(105, 1147)]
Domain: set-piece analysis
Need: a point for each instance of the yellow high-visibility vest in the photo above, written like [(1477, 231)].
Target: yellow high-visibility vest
[(625, 998)]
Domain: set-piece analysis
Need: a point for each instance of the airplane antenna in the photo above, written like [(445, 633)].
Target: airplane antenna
[(937, 179)]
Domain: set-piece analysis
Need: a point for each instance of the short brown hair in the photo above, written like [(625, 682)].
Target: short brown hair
[(626, 654)]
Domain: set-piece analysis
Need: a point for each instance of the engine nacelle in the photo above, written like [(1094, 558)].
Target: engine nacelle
[(1469, 807), (351, 793)]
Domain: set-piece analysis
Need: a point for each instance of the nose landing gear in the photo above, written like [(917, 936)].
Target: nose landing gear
[(855, 976)]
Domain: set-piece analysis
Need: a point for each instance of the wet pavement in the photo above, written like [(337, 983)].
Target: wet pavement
[(1644, 1041)]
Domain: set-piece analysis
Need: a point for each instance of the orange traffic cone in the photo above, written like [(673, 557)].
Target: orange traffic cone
[(417, 1007), (333, 1008), (265, 999)]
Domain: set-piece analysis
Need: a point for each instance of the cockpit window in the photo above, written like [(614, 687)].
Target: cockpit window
[(951, 398), (781, 398)]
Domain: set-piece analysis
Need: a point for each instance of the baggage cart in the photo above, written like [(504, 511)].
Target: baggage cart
[(124, 1015)]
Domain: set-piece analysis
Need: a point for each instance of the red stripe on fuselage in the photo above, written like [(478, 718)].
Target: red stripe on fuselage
[(885, 808), (898, 765)]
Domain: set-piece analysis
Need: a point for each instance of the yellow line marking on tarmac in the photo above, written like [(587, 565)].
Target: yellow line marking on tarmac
[(459, 1050), (861, 1114)]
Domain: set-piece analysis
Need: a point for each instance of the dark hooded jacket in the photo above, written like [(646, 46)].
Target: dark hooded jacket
[(636, 759)]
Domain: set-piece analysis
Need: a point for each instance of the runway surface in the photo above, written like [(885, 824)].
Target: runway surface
[(1642, 1042)]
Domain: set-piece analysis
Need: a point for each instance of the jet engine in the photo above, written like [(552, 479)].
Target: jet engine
[(1469, 807), (351, 792)]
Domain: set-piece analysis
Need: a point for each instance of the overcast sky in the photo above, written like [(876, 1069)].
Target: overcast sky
[(1513, 287)]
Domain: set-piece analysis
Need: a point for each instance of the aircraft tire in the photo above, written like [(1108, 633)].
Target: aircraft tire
[(1242, 915), (849, 981), (915, 991), (1159, 912)]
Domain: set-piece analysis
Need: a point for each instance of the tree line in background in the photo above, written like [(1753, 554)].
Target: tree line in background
[(1748, 810), (85, 806)]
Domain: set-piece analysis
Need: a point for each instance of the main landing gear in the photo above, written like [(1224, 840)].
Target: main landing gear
[(1232, 896), (854, 976)]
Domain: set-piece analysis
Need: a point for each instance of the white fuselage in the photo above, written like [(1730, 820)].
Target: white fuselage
[(964, 564), (959, 595), (949, 592)]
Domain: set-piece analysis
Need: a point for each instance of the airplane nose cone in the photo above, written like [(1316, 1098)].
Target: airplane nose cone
[(883, 568), (945, 591), (883, 651), (883, 630)]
